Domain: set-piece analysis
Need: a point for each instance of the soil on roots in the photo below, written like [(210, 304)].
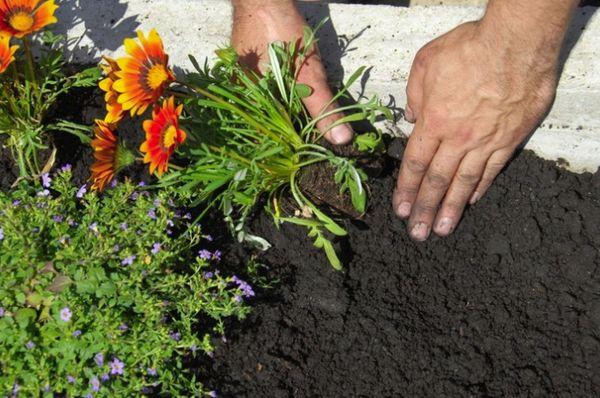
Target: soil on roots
[(509, 305)]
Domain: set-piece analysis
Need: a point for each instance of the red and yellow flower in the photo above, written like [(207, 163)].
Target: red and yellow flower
[(110, 157), (144, 74), (19, 18), (7, 53), (163, 135), (114, 110)]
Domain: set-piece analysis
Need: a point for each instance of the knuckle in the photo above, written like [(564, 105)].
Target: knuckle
[(438, 180), (425, 207), (467, 178), (415, 165)]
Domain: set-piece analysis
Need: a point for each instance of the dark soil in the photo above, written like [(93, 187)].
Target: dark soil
[(508, 306)]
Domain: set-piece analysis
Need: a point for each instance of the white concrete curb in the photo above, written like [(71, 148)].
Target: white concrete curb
[(384, 37)]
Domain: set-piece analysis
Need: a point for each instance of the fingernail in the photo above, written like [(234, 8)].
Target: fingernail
[(444, 227), (341, 134), (474, 198), (420, 232), (404, 209)]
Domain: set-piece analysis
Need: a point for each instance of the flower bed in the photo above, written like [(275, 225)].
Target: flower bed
[(111, 288)]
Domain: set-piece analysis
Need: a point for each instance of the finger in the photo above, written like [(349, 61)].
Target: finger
[(313, 74), (414, 89), (415, 161), (462, 187), (433, 189), (494, 166)]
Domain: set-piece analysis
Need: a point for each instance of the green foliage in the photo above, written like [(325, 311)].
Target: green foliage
[(123, 266), (29, 92), (250, 137)]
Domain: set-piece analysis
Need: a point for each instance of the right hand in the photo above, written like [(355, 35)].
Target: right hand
[(260, 22)]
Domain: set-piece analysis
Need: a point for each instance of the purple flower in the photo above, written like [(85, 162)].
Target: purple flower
[(64, 239), (224, 339), (128, 260), (209, 238), (46, 180), (212, 394), (76, 333), (175, 336), (65, 168), (116, 367), (2, 312), (43, 193), (99, 359), (16, 388), (65, 314), (1, 234), (94, 227), (156, 248), (123, 327), (57, 218), (104, 377), (95, 383), (82, 190), (151, 371), (170, 223), (89, 395), (187, 216), (30, 344), (113, 183), (72, 223), (246, 289), (70, 379), (208, 275), (156, 202), (237, 298), (194, 348), (123, 226), (16, 202), (152, 214), (141, 184), (205, 254), (134, 196), (217, 255)]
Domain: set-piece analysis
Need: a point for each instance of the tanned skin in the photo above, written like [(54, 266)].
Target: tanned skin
[(474, 95)]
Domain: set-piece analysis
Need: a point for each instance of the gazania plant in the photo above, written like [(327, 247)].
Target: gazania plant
[(29, 89), (245, 139)]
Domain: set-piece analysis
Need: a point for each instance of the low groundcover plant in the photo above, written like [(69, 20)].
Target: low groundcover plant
[(101, 296), (242, 136)]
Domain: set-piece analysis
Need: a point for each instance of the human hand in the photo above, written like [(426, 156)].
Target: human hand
[(260, 22), (474, 94)]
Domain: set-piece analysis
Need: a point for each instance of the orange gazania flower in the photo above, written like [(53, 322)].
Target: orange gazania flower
[(163, 135), (7, 53), (144, 75), (22, 17), (114, 110), (109, 157)]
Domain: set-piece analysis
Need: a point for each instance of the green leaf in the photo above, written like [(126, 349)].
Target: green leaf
[(303, 90), (25, 316)]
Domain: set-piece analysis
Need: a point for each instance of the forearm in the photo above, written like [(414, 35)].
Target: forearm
[(532, 29)]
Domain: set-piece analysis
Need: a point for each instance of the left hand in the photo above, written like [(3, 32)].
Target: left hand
[(474, 96)]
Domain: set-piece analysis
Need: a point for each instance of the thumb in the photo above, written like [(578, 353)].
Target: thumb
[(313, 75)]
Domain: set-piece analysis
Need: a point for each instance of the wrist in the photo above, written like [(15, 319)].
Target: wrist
[(531, 31)]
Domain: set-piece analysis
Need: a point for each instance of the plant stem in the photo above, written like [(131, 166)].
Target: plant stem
[(30, 64)]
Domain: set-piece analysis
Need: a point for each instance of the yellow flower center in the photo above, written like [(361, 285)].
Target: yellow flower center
[(170, 136), (21, 21), (157, 76)]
